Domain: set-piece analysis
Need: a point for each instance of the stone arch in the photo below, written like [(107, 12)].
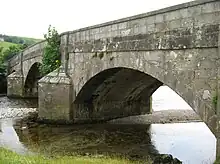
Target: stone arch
[(114, 93), (31, 81), (96, 73)]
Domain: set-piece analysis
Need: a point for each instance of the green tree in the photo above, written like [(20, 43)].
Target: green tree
[(51, 56), (1, 51), (11, 51)]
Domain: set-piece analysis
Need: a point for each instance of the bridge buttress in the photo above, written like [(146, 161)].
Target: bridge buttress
[(15, 81), (55, 97)]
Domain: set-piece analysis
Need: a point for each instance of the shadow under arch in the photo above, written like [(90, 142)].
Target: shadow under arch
[(115, 93), (31, 81)]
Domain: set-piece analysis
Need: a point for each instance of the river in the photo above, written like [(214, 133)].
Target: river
[(192, 143)]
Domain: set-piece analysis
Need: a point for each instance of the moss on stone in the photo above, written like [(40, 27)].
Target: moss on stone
[(101, 55), (214, 101), (95, 55)]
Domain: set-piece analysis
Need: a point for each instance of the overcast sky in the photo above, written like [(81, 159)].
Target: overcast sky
[(31, 18)]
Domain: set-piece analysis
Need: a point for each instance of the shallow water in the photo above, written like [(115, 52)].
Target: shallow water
[(190, 142)]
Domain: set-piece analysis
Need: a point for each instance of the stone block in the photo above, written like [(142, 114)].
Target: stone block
[(55, 98)]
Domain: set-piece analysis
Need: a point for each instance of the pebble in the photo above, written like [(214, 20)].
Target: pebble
[(16, 112)]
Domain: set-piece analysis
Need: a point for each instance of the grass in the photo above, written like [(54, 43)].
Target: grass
[(9, 157), (217, 161), (6, 44)]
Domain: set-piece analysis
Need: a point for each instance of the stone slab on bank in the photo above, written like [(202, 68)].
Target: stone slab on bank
[(157, 117)]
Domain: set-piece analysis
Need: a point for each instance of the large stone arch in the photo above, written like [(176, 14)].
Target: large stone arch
[(31, 80), (94, 72), (114, 93)]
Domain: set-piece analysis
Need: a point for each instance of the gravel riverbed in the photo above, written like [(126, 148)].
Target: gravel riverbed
[(158, 117), (164, 116), (16, 112)]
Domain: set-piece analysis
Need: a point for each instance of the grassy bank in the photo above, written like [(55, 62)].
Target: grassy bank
[(217, 161), (9, 157)]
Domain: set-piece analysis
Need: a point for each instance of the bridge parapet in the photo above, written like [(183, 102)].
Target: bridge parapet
[(14, 63), (34, 50)]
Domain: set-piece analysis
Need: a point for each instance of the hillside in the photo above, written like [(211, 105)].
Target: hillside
[(18, 40), (6, 45)]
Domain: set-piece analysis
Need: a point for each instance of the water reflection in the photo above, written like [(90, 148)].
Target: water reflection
[(190, 142), (126, 140), (9, 138)]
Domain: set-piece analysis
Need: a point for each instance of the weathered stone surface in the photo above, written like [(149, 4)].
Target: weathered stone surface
[(112, 69), (15, 85)]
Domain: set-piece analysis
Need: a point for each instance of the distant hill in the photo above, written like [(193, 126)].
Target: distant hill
[(7, 40)]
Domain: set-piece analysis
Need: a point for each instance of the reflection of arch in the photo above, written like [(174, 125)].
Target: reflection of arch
[(110, 139), (31, 81), (114, 93)]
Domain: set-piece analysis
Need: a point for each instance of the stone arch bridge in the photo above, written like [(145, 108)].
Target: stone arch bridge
[(111, 70)]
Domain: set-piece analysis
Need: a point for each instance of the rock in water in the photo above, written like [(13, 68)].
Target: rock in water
[(166, 159)]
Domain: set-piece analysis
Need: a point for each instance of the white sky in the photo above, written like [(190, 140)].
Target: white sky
[(31, 18)]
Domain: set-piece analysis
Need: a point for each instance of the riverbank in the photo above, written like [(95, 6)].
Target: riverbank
[(7, 156)]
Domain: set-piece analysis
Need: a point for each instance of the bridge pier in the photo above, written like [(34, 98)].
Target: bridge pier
[(55, 98), (15, 85)]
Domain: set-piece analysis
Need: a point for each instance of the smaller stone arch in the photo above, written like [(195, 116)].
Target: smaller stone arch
[(31, 81)]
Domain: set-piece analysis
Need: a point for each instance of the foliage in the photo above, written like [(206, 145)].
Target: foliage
[(7, 156), (11, 51), (51, 57)]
